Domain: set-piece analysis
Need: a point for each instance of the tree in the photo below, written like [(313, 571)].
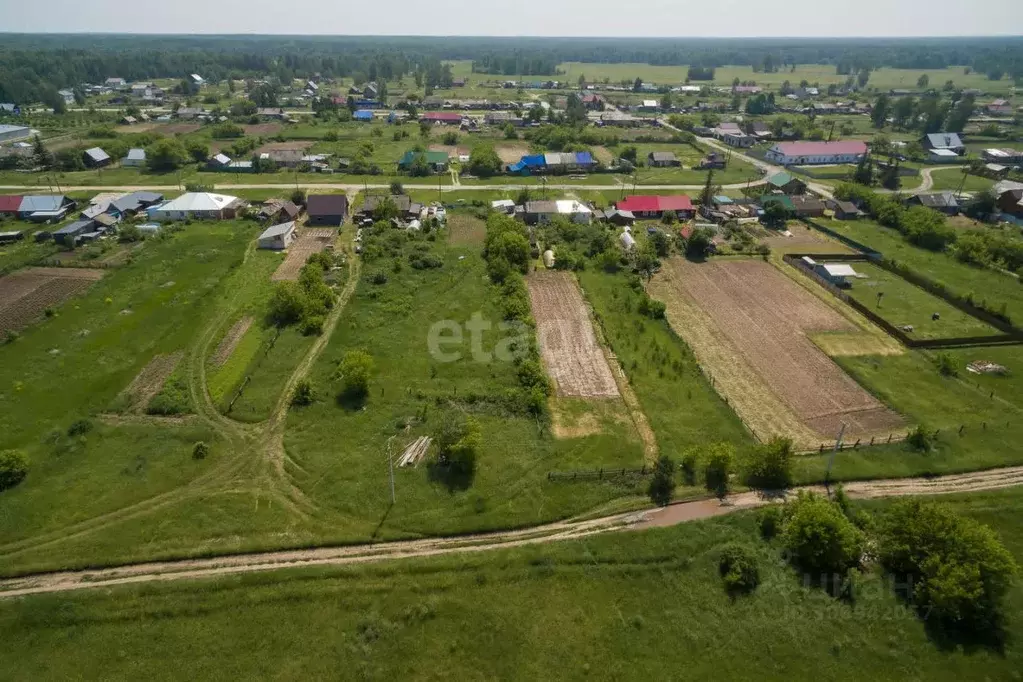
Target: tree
[(769, 466), (197, 149), (718, 468), (13, 468), (166, 154), (354, 371), (923, 81), (707, 195), (739, 569), (662, 484), (303, 394), (818, 536), (637, 85), (699, 244), (775, 214), (42, 158), (879, 113), (983, 205), (450, 138), (864, 173), (956, 566), (666, 101), (397, 188), (484, 161), (287, 304), (298, 196)]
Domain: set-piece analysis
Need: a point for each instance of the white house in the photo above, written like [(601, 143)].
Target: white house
[(738, 139), (836, 273), (277, 237), (805, 153), (67, 95), (199, 205)]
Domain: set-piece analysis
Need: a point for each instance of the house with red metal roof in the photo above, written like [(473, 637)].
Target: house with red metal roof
[(9, 204), (807, 153), (451, 118), (654, 206)]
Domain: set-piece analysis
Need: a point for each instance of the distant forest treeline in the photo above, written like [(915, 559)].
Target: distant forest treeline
[(33, 67)]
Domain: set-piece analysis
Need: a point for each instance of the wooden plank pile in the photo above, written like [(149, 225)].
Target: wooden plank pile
[(415, 451)]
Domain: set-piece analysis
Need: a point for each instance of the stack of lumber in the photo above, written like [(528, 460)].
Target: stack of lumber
[(415, 451)]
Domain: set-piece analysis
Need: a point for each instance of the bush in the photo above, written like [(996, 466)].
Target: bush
[(354, 371), (819, 538), (458, 442), (13, 468), (947, 364), (378, 278), (200, 450), (312, 325), (303, 394), (662, 484), (718, 467), (79, 427), (920, 439), (769, 466), (739, 569), (690, 461), (287, 304), (769, 521), (173, 398), (958, 569)]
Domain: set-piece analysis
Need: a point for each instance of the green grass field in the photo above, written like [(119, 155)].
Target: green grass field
[(952, 178), (627, 606), (989, 286), (904, 304)]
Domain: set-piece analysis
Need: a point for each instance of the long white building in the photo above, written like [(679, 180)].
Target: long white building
[(807, 153)]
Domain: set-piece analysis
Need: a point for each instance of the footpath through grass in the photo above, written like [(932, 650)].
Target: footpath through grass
[(625, 606)]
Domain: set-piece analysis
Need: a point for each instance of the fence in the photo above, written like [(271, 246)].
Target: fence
[(248, 377), (598, 474), (851, 243), (1011, 336)]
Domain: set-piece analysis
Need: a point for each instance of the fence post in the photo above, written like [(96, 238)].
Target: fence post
[(889, 438), (871, 440), (961, 429), (856, 444)]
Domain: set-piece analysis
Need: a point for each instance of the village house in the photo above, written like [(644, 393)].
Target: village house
[(738, 139), (655, 206), (944, 202), (11, 133), (136, 157), (1010, 198), (41, 208), (786, 183), (449, 118), (539, 212), (199, 206), (952, 142), (278, 211), (1003, 156), (662, 159), (284, 158), (844, 210), (437, 161), (326, 209), (999, 107), (807, 153)]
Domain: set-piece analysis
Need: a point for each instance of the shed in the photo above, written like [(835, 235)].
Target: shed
[(662, 159), (96, 157), (503, 205), (135, 157), (69, 234), (277, 237), (8, 237), (628, 243), (836, 273)]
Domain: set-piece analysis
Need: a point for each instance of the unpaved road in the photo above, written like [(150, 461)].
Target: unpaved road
[(563, 530)]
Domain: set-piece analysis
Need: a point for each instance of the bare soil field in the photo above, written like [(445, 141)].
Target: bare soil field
[(136, 128), (262, 128), (803, 240), (603, 154), (300, 145), (510, 153), (149, 381), (25, 295), (177, 128), (230, 340), (750, 330), (570, 350), (466, 230), (310, 240)]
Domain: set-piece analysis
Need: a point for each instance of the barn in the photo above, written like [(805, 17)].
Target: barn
[(277, 237)]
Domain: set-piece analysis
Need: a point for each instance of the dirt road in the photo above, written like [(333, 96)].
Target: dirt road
[(564, 530)]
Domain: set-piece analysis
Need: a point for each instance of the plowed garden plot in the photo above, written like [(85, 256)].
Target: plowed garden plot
[(309, 241), (568, 345), (230, 340), (262, 128), (510, 153), (148, 382), (26, 294), (749, 330), (300, 145)]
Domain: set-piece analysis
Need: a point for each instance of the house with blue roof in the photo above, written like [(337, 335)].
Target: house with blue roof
[(527, 165)]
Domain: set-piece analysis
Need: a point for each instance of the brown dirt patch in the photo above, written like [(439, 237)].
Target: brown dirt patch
[(300, 145), (149, 381), (466, 230), (510, 153), (230, 340), (177, 128), (603, 154), (25, 295), (263, 128), (453, 151), (137, 128), (803, 240), (310, 240), (568, 345), (849, 344), (748, 325)]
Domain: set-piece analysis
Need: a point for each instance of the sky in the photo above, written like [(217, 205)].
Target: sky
[(649, 18)]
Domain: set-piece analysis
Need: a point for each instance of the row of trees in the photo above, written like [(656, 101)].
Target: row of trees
[(930, 113)]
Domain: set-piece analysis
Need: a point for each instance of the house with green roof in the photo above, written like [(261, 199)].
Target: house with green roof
[(786, 183), (437, 161)]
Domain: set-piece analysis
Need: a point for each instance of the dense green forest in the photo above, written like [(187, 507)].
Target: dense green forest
[(32, 67)]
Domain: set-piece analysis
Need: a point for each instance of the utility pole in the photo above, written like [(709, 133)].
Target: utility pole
[(831, 459)]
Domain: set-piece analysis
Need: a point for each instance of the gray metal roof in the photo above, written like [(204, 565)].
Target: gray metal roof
[(97, 154), (944, 140), (76, 227), (136, 155), (277, 230), (32, 203)]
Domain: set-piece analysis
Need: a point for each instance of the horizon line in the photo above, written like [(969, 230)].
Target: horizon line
[(514, 37)]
